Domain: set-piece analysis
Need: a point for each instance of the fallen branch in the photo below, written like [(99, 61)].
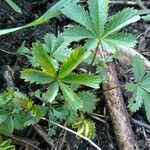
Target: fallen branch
[(126, 55), (118, 112), (117, 109)]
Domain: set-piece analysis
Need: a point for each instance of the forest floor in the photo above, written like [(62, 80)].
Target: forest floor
[(32, 10)]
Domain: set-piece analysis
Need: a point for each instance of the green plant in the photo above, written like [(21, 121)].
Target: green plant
[(6, 144), (17, 111), (54, 65), (140, 87), (13, 6), (47, 70), (97, 28)]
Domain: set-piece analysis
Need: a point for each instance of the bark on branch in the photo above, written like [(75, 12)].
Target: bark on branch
[(126, 54), (118, 112)]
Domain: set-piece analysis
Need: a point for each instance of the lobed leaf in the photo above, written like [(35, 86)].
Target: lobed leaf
[(120, 20), (78, 14), (43, 59), (75, 34), (121, 39), (35, 76), (72, 99), (83, 79), (76, 57), (136, 101), (138, 68), (98, 12), (89, 101), (108, 46), (51, 93)]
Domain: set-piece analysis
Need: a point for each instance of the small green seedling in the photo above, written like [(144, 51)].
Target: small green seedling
[(140, 87), (59, 77)]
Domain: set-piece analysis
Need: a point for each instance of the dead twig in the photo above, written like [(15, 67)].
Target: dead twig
[(139, 123), (44, 135), (23, 141), (126, 55), (11, 53), (118, 112), (97, 118), (71, 131)]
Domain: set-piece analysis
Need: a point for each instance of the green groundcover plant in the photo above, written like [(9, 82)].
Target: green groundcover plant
[(67, 94)]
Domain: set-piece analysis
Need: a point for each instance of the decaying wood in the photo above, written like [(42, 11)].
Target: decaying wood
[(118, 112), (126, 55)]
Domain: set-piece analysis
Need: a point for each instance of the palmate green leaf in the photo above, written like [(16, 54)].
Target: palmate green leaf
[(120, 20), (78, 14), (146, 98), (138, 68), (98, 12), (36, 76), (51, 93), (89, 101), (43, 59), (77, 33), (71, 98), (54, 11), (83, 79), (140, 89), (121, 39), (76, 57), (13, 6)]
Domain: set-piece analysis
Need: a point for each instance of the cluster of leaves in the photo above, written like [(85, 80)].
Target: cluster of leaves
[(97, 27), (54, 66), (6, 144), (17, 111), (53, 69), (140, 87)]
